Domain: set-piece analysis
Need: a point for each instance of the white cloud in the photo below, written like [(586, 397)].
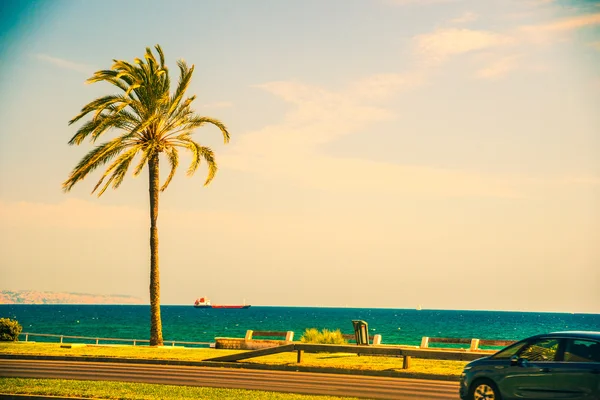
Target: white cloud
[(293, 149), (499, 67), (316, 105), (382, 86), (553, 30), (319, 116), (418, 2), (434, 48), (567, 24), (442, 43), (465, 18), (65, 64), (540, 2)]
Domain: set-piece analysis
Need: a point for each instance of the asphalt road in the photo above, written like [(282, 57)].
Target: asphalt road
[(281, 381)]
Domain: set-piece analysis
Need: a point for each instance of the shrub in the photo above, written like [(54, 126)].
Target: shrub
[(326, 336), (9, 330)]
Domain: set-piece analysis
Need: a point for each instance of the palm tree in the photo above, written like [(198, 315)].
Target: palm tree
[(150, 121)]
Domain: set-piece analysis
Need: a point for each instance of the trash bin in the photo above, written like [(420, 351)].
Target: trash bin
[(361, 332)]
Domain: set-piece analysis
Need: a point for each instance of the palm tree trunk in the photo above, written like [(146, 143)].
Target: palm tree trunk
[(156, 338)]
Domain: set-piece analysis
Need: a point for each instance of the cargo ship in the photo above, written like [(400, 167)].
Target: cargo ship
[(204, 302)]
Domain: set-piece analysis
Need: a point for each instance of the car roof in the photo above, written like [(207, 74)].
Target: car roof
[(573, 334)]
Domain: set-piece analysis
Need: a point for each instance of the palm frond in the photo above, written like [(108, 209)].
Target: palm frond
[(197, 121), (118, 174), (125, 69), (147, 152), (95, 158), (191, 121), (150, 61), (164, 73), (184, 81), (179, 118), (143, 126), (125, 157), (102, 75), (198, 153), (105, 122), (98, 105), (173, 157), (161, 55), (209, 156), (121, 111)]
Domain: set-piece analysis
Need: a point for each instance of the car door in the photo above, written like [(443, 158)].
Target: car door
[(577, 374), (529, 378)]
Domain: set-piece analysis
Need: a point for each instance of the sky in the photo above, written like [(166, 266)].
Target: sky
[(384, 153)]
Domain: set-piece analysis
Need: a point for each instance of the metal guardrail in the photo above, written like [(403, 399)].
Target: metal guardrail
[(474, 343), (377, 350), (98, 339)]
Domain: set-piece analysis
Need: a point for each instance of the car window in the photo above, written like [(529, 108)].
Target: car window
[(540, 350), (508, 352), (582, 351)]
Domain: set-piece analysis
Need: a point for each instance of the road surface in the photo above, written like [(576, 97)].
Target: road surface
[(367, 387)]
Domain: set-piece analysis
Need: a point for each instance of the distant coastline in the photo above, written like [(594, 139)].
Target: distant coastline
[(35, 297)]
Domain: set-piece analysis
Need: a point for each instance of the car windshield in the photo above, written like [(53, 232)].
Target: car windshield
[(509, 351)]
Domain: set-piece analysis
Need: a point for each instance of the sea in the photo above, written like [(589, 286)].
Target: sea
[(188, 324)]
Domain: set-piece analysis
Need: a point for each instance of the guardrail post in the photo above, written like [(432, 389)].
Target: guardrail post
[(61, 339), (289, 336), (248, 335), (424, 342), (377, 339), (474, 345), (26, 336), (406, 362), (173, 344), (299, 358), (97, 340)]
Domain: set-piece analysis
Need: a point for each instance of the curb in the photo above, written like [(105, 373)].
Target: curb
[(4, 396), (240, 365)]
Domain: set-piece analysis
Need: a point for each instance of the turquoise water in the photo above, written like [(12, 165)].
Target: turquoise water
[(185, 323)]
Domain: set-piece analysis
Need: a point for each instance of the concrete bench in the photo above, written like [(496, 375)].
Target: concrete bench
[(249, 342), (288, 336), (473, 343)]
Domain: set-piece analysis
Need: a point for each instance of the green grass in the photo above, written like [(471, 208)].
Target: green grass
[(419, 367), (145, 352), (126, 390)]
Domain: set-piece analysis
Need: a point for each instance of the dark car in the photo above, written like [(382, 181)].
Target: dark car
[(559, 365)]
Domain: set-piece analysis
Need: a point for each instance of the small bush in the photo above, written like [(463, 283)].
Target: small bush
[(326, 336), (9, 330), (310, 336)]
